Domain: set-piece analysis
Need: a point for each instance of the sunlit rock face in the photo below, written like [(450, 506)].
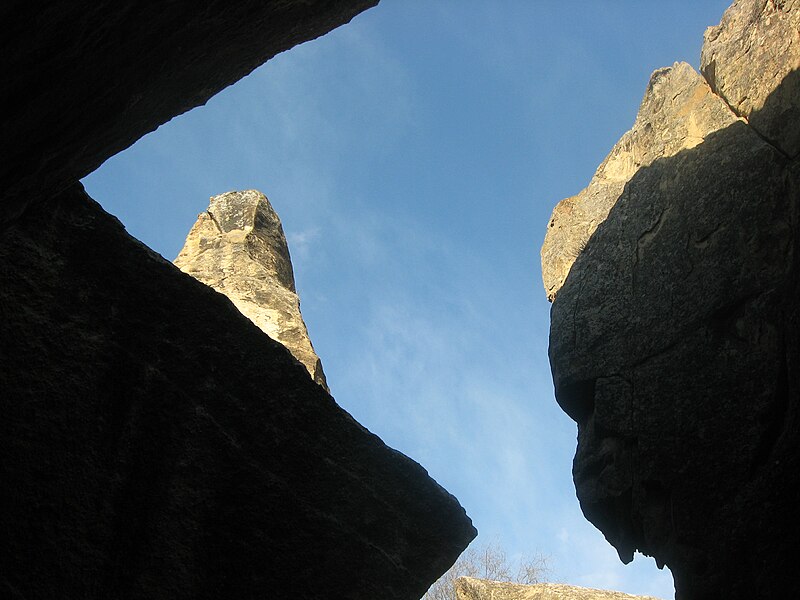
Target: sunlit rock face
[(674, 326), (678, 111), (747, 59), (237, 246), (154, 442), (470, 588)]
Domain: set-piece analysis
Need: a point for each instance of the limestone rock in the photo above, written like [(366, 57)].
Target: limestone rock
[(675, 345), (678, 112), (238, 248), (748, 56), (156, 444), (470, 588)]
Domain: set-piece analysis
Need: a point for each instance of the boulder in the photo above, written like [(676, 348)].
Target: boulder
[(678, 111), (237, 246), (470, 588), (674, 339)]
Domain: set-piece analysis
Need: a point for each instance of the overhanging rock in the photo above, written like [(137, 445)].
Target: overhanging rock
[(154, 442), (85, 79)]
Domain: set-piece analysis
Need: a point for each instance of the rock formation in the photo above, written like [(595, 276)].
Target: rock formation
[(469, 588), (154, 443), (238, 248), (679, 101), (674, 328), (749, 58)]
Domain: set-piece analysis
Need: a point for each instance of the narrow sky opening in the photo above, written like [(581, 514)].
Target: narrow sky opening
[(414, 157)]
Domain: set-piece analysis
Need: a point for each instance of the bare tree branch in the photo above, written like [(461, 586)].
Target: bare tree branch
[(488, 562)]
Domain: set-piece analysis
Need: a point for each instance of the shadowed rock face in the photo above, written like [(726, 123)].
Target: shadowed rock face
[(238, 248), (469, 588), (154, 442), (674, 340), (84, 80)]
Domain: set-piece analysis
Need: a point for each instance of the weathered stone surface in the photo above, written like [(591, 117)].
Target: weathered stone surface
[(469, 588), (83, 80), (156, 444), (748, 56), (678, 111), (238, 248), (675, 347)]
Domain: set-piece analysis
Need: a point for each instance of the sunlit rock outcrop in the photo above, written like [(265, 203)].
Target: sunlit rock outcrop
[(678, 111), (748, 58), (674, 329), (237, 246), (470, 588)]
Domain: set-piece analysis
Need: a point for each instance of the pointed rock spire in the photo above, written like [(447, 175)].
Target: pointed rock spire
[(238, 248)]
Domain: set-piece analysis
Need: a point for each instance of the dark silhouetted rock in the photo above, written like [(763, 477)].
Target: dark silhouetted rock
[(238, 248), (470, 588), (156, 444), (84, 80), (674, 345)]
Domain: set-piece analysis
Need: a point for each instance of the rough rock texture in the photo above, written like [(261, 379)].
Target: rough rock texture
[(84, 80), (674, 341), (469, 588), (748, 56), (678, 102), (238, 248), (156, 444)]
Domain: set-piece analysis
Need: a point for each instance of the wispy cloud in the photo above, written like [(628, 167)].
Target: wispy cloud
[(301, 243)]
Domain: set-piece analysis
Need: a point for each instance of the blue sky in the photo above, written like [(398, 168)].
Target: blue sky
[(414, 157)]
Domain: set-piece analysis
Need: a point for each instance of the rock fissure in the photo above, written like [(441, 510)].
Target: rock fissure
[(743, 117), (214, 221)]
